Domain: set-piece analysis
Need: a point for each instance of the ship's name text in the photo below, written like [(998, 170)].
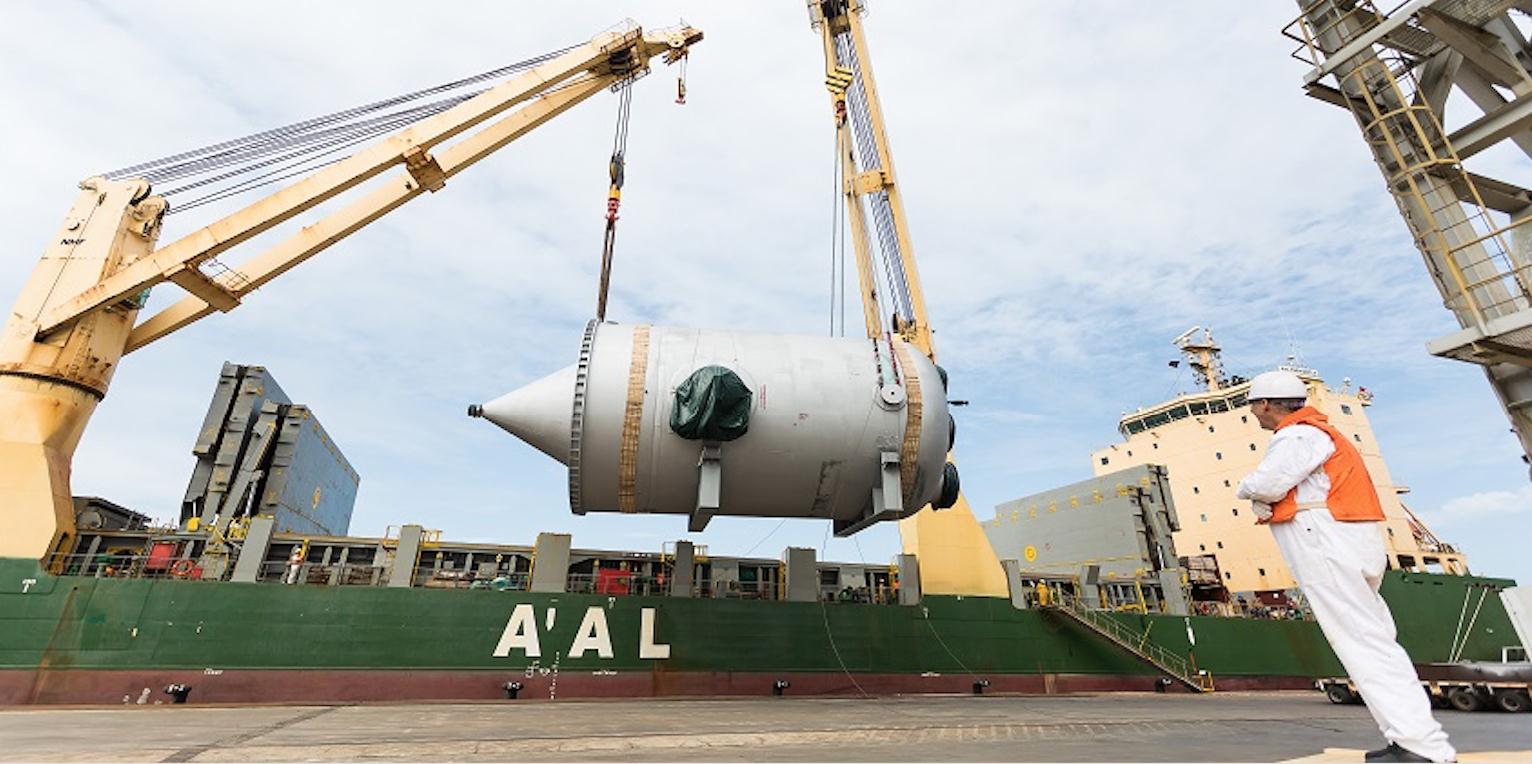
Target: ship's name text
[(521, 633)]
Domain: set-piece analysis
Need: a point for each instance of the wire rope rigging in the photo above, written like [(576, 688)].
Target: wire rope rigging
[(866, 156), (617, 171), (201, 176)]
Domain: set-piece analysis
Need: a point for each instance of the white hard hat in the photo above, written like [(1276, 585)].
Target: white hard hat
[(1277, 385)]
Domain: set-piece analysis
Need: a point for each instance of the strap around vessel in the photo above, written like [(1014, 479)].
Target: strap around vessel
[(632, 418), (909, 451)]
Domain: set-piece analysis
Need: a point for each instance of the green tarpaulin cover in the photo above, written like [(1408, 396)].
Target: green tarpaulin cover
[(712, 404)]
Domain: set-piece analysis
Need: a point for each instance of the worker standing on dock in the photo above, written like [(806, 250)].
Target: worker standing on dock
[(1314, 490)]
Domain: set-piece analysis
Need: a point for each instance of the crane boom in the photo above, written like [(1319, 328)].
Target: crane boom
[(77, 314), (869, 182), (955, 556)]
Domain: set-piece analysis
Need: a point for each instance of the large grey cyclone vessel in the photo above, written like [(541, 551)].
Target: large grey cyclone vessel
[(671, 420)]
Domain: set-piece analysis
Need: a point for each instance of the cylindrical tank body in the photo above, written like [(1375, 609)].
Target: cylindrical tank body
[(829, 421)]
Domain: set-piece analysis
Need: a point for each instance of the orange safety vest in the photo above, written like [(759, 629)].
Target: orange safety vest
[(1352, 496)]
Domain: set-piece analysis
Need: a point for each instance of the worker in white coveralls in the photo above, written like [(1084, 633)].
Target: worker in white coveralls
[(1315, 492)]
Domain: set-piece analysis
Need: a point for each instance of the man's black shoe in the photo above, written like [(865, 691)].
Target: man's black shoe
[(1394, 752)]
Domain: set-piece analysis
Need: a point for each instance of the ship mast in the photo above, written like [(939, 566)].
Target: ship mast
[(1204, 356)]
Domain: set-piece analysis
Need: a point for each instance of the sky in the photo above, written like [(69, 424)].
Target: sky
[(1083, 182)]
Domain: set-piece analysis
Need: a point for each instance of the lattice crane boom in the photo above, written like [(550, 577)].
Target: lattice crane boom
[(1395, 72)]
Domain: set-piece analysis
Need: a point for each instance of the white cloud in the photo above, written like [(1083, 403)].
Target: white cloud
[(1485, 506)]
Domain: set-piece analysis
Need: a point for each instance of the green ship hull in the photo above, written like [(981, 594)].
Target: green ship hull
[(75, 639)]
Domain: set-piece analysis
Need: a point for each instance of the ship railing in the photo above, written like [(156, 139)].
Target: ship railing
[(648, 586), (1276, 613), (321, 574), (772, 590), (109, 565), (620, 585), (866, 595), (469, 579), (757, 590), (739, 590), (505, 582)]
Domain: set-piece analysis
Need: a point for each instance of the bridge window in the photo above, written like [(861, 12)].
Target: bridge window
[(1345, 409)]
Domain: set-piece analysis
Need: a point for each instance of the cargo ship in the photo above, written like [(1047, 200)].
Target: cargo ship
[(275, 604), (256, 592)]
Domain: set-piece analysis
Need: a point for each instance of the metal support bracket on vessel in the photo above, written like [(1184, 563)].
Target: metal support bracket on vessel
[(709, 487), (887, 497)]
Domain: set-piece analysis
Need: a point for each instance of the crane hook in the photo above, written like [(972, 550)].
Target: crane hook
[(681, 81)]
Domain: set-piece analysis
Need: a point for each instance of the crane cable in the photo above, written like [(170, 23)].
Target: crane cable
[(220, 170), (887, 253), (838, 225), (616, 171)]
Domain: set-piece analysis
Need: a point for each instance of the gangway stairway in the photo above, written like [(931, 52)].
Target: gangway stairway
[(1110, 629)]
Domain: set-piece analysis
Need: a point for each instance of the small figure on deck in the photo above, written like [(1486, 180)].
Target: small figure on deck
[(294, 565), (1314, 491)]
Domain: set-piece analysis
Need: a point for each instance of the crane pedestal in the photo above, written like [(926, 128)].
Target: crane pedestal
[(50, 383), (44, 421)]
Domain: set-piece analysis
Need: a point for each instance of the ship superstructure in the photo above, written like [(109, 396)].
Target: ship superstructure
[(1209, 440)]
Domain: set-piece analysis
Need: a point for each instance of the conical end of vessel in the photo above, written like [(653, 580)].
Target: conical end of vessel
[(538, 413)]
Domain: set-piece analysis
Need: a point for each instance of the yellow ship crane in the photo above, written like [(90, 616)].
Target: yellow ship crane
[(77, 315), (954, 554)]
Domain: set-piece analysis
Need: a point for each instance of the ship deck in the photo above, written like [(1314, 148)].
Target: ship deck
[(1268, 726)]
